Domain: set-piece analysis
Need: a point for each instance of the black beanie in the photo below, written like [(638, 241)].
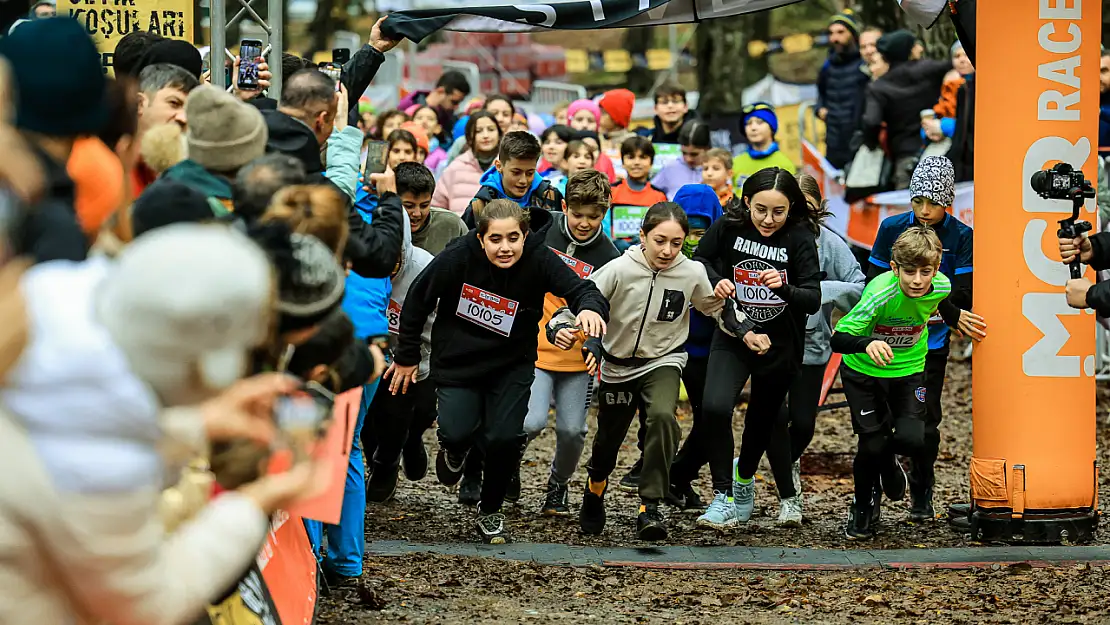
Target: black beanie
[(174, 52), (312, 287), (169, 202), (896, 46), (847, 18)]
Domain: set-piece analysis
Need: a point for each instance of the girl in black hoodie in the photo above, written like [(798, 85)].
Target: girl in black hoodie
[(763, 254), (489, 286)]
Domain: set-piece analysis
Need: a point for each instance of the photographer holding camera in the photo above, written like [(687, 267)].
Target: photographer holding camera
[(1062, 182)]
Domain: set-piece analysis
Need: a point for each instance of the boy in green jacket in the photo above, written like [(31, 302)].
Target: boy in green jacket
[(883, 371)]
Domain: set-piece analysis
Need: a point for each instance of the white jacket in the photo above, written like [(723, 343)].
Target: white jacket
[(413, 262)]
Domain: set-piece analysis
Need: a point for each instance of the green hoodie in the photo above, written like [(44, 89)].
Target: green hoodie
[(216, 187)]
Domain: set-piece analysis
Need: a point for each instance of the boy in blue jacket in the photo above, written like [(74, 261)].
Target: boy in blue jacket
[(513, 177)]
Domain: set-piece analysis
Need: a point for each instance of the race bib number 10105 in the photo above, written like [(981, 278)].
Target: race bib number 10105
[(493, 312)]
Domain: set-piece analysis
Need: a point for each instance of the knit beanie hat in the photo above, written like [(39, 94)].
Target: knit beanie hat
[(847, 18), (763, 111), (934, 179), (223, 133), (168, 202), (174, 52), (311, 289), (618, 103), (588, 105), (54, 66), (188, 299), (896, 46)]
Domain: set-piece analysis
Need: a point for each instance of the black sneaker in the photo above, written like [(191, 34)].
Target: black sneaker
[(449, 467), (382, 484), (512, 490), (859, 525), (894, 481), (650, 524), (491, 528), (591, 517), (557, 502), (685, 498), (876, 505), (470, 490), (414, 458), (921, 506), (630, 483)]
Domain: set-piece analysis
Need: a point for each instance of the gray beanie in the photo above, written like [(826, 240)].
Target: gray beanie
[(311, 290), (935, 179), (223, 134)]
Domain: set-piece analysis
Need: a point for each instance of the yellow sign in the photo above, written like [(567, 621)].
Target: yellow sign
[(107, 21)]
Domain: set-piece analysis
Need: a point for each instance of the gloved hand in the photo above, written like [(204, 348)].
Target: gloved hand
[(734, 321)]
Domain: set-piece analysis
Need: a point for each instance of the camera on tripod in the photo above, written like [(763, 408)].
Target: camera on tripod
[(1063, 182)]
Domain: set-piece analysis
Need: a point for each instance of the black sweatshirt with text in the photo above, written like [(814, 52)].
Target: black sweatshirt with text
[(737, 251), (487, 317)]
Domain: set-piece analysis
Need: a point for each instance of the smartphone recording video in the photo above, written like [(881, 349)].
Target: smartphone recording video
[(250, 55), (302, 419), (375, 158), (340, 56), (334, 71)]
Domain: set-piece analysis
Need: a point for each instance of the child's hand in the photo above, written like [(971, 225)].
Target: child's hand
[(972, 326), (591, 363), (565, 338), (881, 354), (771, 278), (758, 343), (725, 289)]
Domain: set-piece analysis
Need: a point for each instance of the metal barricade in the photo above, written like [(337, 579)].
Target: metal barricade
[(219, 23), (547, 94)]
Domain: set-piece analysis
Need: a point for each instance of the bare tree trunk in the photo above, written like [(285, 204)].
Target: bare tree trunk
[(637, 41), (724, 67), (325, 23)]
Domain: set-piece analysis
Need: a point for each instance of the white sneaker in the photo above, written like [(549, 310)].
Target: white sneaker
[(790, 511), (721, 514)]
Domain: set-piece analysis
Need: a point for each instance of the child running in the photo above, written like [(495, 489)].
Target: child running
[(883, 370), (577, 239), (494, 281), (763, 253), (651, 288), (514, 178), (841, 288)]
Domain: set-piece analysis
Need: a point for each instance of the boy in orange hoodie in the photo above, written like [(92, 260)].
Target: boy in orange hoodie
[(577, 237), (634, 194)]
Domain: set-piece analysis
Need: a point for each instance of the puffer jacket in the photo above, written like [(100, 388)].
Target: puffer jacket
[(458, 184), (897, 99), (840, 89)]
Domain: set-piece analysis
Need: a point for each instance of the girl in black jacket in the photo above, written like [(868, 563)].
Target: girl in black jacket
[(489, 286), (763, 254)]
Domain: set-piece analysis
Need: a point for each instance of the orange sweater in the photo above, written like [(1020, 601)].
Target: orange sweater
[(623, 195), (549, 357), (946, 104)]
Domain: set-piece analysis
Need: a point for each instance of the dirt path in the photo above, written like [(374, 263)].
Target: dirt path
[(455, 589)]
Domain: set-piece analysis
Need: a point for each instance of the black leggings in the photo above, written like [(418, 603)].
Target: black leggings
[(795, 427), (693, 455), (728, 372)]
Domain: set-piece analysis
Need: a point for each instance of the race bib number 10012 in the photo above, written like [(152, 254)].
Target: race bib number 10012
[(491, 311)]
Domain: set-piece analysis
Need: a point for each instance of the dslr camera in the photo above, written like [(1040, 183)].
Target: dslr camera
[(1063, 182)]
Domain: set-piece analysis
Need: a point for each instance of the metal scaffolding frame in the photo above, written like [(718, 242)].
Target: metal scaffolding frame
[(218, 25)]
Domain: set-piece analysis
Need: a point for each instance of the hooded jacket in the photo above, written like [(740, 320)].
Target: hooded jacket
[(366, 299), (541, 195), (584, 257), (439, 229), (79, 523), (487, 316), (699, 200), (649, 318), (841, 288), (291, 136), (841, 87), (413, 261), (897, 98), (51, 230), (459, 183)]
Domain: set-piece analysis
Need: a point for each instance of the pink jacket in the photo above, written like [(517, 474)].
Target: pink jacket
[(458, 184)]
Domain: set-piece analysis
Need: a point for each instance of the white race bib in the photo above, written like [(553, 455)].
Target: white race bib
[(757, 301), (491, 311), (898, 336), (393, 316)]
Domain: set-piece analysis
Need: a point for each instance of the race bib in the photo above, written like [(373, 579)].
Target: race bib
[(757, 301), (936, 319), (897, 336), (492, 312), (393, 316), (627, 221), (582, 268)]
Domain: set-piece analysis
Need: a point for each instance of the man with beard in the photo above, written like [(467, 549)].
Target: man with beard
[(841, 85)]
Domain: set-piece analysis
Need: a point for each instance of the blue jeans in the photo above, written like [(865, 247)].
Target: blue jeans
[(347, 541)]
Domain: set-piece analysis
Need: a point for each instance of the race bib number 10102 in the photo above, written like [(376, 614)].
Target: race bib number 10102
[(493, 312)]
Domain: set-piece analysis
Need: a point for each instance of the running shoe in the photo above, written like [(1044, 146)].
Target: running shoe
[(557, 502), (381, 485), (414, 458), (449, 467), (512, 490), (921, 506), (860, 525), (470, 490), (591, 517), (630, 483), (650, 524), (893, 479), (790, 511), (491, 528), (743, 496), (685, 498), (721, 514)]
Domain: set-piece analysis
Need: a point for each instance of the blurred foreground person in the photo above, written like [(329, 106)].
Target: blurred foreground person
[(88, 436)]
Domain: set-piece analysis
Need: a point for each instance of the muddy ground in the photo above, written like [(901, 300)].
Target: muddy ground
[(426, 588)]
